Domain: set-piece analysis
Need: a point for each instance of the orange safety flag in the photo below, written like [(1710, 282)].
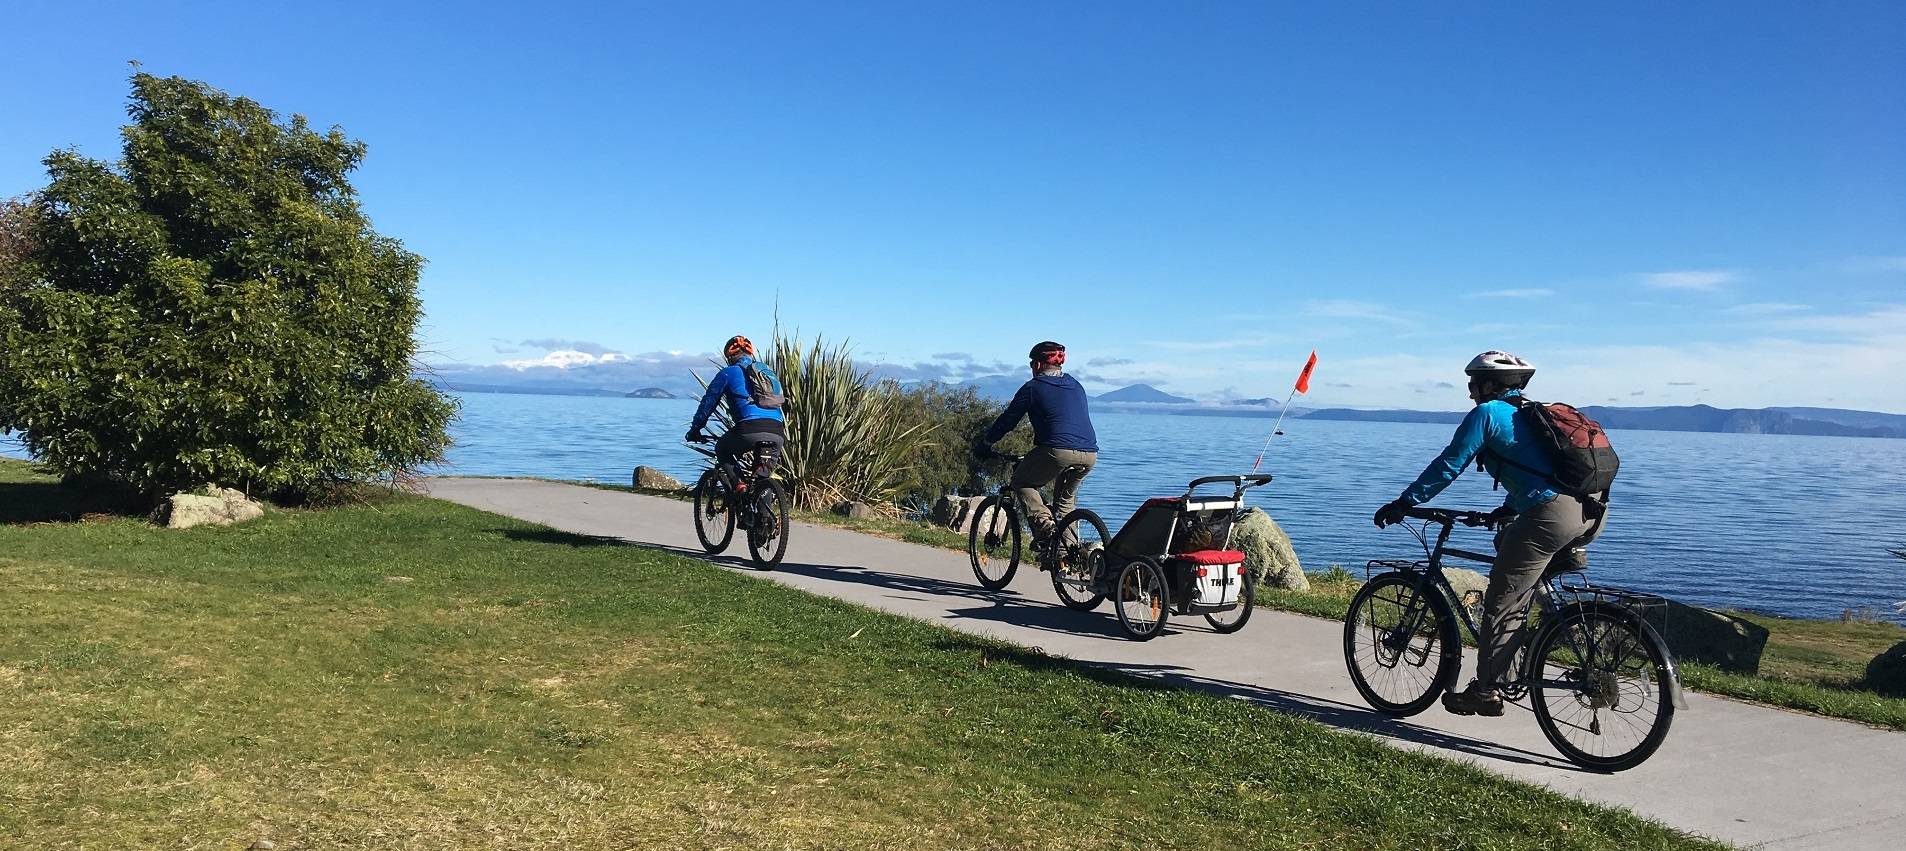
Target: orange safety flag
[(1303, 378)]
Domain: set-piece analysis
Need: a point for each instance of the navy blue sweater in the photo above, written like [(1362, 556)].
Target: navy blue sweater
[(1056, 404)]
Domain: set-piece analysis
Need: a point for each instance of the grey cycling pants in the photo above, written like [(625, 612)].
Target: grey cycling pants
[(1041, 467), (1525, 549)]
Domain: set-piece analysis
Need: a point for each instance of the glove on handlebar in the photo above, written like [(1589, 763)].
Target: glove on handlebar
[(1391, 513)]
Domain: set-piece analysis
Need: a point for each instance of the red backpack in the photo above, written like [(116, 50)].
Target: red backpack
[(1585, 462)]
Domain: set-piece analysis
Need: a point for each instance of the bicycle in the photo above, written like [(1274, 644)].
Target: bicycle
[(761, 510), (1593, 668), (993, 538)]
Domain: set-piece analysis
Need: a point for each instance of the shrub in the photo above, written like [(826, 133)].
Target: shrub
[(215, 307), (957, 417)]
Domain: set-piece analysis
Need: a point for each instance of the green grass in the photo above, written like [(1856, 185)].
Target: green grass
[(414, 674)]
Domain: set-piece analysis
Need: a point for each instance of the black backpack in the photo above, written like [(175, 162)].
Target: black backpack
[(764, 388), (1585, 462)]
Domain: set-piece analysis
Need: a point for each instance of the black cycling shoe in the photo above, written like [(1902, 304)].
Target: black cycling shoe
[(1478, 699)]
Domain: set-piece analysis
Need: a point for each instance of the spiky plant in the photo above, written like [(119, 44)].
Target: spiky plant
[(846, 438)]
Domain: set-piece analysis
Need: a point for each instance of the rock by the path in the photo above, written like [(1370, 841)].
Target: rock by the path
[(210, 506), (969, 514), (1886, 674), (945, 510), (1268, 552), (855, 510), (1462, 580), (649, 478), (1698, 635)]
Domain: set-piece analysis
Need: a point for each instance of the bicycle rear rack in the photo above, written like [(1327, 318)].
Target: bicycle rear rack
[(1379, 565), (1651, 608)]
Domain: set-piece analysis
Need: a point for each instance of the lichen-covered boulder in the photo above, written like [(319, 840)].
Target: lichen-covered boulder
[(965, 512), (209, 506), (649, 478), (945, 510), (1267, 552)]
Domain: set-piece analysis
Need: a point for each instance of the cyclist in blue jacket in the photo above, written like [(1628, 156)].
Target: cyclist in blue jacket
[(752, 423), (1546, 524), (1062, 437)]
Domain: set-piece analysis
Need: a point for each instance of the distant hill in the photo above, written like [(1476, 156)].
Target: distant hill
[(531, 390), (650, 393), (998, 388), (1820, 421), (1144, 393)]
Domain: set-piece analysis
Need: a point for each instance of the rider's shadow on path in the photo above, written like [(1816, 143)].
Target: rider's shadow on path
[(1009, 608)]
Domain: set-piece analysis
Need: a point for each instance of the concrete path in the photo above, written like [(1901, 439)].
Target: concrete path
[(1748, 775)]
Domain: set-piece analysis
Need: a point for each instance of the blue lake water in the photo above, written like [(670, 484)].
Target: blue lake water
[(1786, 524)]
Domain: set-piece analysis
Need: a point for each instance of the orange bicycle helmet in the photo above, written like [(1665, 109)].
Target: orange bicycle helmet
[(736, 347)]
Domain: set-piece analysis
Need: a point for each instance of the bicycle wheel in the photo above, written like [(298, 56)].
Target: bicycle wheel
[(1232, 620), (1142, 600), (1075, 572), (1599, 683), (768, 529), (992, 543), (714, 522), (1401, 644)]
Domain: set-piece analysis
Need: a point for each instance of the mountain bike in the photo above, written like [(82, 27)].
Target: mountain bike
[(1598, 676), (994, 533), (754, 501)]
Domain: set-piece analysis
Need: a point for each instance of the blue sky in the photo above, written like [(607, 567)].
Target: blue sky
[(1657, 203)]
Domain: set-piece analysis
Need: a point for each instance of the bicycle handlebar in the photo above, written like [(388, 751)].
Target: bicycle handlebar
[(1448, 517), (1255, 479)]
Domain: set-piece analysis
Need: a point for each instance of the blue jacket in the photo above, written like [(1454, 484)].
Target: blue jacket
[(1057, 406), (1492, 428), (732, 383)]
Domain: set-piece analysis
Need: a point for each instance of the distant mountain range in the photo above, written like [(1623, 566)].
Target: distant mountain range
[(1816, 421), (1837, 422)]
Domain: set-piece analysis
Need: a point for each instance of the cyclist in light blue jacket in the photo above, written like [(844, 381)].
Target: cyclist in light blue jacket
[(752, 423), (1546, 524)]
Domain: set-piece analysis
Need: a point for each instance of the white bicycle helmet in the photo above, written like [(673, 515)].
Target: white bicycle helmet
[(1501, 366)]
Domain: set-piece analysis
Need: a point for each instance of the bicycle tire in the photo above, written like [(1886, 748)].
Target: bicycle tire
[(1247, 600), (768, 535), (1442, 643), (1076, 573), (1600, 680), (993, 535), (1142, 601), (706, 491)]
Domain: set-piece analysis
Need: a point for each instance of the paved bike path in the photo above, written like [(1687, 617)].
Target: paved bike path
[(1745, 774)]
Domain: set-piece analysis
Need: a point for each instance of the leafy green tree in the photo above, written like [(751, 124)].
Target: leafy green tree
[(215, 307), (956, 416)]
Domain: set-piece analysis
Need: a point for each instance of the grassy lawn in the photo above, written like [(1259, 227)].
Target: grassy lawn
[(414, 674)]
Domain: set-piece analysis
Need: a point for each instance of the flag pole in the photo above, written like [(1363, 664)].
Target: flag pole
[(1302, 386), (1275, 430)]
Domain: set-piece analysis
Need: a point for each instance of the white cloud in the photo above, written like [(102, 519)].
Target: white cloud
[(1358, 310), (1534, 292), (565, 359), (1206, 345), (1869, 265), (1770, 308), (1702, 280)]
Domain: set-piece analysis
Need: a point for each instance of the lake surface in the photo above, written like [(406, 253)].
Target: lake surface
[(1786, 524)]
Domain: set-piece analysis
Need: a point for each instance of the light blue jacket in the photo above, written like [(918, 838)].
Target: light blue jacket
[(732, 382), (1492, 429)]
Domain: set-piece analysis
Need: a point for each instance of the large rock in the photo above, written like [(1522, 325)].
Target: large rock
[(971, 515), (649, 478), (1886, 674), (1715, 638), (1267, 551), (1462, 580), (964, 511), (210, 506), (855, 510), (945, 510)]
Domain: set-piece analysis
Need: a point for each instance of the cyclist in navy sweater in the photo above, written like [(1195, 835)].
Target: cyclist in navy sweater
[(1062, 437)]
